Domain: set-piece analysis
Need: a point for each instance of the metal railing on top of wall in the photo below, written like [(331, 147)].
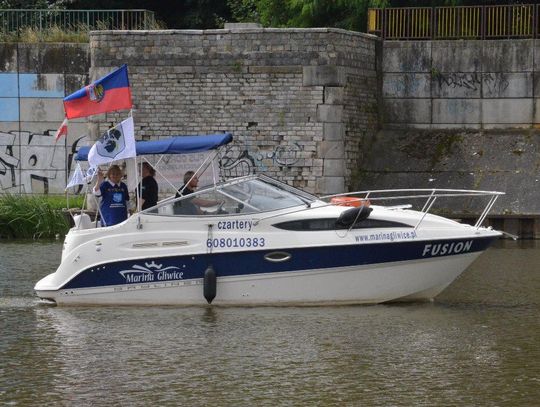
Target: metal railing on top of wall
[(12, 20), (467, 22)]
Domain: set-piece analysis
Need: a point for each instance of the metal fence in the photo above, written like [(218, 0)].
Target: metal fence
[(12, 21), (467, 22)]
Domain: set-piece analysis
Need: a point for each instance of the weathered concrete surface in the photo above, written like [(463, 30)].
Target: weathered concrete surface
[(473, 84), (34, 78), (507, 161)]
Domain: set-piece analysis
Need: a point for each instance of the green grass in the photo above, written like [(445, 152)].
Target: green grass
[(54, 34), (77, 34), (34, 217)]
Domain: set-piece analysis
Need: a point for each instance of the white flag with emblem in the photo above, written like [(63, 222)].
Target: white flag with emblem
[(117, 143)]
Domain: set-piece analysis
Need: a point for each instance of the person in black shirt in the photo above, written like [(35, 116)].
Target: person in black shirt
[(191, 206), (149, 193)]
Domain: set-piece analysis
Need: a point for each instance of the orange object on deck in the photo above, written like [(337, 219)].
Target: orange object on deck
[(349, 201)]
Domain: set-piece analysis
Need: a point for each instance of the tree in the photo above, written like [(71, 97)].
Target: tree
[(347, 14)]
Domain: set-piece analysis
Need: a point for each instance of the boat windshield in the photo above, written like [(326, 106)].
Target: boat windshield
[(250, 194)]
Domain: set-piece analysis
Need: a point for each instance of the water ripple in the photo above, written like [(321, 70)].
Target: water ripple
[(476, 345)]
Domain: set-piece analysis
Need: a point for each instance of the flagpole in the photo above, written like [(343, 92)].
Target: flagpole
[(138, 190)]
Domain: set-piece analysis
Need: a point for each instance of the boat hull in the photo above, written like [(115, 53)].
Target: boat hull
[(364, 274)]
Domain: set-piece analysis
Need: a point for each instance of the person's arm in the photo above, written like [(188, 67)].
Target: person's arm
[(204, 202), (97, 187), (143, 192), (126, 197)]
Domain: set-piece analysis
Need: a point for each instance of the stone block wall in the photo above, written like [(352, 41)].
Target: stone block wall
[(296, 100)]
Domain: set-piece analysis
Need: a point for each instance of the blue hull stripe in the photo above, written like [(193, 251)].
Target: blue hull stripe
[(158, 269)]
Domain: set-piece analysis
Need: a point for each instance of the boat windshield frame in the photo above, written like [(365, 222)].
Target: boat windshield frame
[(293, 197)]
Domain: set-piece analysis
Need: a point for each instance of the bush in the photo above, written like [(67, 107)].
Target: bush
[(33, 217)]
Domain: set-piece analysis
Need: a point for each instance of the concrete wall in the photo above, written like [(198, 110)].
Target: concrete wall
[(502, 160), (461, 84), (459, 114), (33, 80), (293, 98)]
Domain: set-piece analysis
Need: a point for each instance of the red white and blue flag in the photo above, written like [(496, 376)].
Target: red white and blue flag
[(62, 130), (110, 93)]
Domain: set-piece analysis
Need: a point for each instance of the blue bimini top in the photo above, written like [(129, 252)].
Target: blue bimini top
[(172, 145)]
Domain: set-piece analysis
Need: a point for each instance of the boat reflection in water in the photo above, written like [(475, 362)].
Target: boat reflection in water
[(268, 243)]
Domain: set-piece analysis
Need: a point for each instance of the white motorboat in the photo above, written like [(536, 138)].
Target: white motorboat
[(269, 244)]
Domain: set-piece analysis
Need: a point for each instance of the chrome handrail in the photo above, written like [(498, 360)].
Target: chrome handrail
[(430, 194)]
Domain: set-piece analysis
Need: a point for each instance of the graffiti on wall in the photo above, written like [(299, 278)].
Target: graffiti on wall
[(239, 160), (495, 83), (33, 163)]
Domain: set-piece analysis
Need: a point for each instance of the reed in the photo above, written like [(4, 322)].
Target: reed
[(33, 217), (33, 35)]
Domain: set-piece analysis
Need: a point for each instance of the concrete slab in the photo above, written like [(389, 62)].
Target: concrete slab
[(8, 127), (330, 185), (8, 56), (457, 111), (509, 111), (461, 126), (324, 75), (9, 85), (9, 109), (407, 85), (77, 58), (41, 85), (330, 113), (456, 84), (41, 58), (457, 56), (333, 131), (334, 167), (507, 85), (333, 95), (412, 111), (76, 130), (331, 149), (406, 56), (536, 114), (536, 83), (74, 82), (508, 56), (41, 110)]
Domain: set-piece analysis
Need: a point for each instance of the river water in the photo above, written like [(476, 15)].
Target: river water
[(476, 344)]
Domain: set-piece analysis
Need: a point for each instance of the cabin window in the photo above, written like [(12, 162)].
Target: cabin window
[(330, 224), (207, 202)]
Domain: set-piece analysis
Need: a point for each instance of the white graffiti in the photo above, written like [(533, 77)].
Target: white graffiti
[(33, 163)]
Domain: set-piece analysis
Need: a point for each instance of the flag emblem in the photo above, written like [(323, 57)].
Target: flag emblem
[(117, 143), (96, 93), (107, 94), (111, 143)]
